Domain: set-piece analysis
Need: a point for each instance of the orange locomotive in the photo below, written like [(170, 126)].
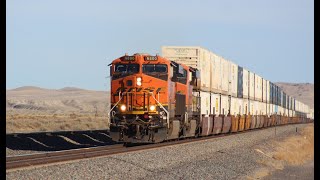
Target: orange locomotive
[(152, 99)]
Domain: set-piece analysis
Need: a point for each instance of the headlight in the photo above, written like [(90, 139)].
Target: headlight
[(123, 107), (139, 81), (152, 108)]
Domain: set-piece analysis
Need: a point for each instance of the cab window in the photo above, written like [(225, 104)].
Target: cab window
[(159, 71), (123, 70), (179, 77)]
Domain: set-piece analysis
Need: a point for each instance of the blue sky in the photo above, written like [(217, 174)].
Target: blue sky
[(54, 44)]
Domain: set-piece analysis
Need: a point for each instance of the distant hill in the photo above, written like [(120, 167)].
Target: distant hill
[(31, 99), (303, 92), (71, 89), (27, 88)]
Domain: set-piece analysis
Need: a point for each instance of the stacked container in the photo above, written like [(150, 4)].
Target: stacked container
[(223, 82), (258, 88)]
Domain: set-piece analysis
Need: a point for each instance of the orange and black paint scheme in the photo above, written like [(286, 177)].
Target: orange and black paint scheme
[(151, 98)]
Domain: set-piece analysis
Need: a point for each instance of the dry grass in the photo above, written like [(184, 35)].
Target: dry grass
[(294, 150), (297, 150)]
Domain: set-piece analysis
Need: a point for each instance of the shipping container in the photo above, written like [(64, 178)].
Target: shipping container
[(276, 109), (224, 76), (245, 103), (290, 113), (264, 108), (215, 75), (269, 112), (264, 90), (224, 105), (274, 93), (276, 98), (268, 91), (220, 78), (195, 57), (240, 106), (234, 106), (280, 110), (215, 103), (258, 88), (205, 102), (256, 108), (288, 102), (245, 83), (251, 84), (240, 82), (233, 79)]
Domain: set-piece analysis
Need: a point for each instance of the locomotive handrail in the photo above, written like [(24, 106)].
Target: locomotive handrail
[(162, 108), (120, 97)]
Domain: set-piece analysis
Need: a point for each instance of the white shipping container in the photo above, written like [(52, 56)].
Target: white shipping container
[(224, 76), (224, 105), (195, 57), (205, 67), (258, 88), (255, 108), (215, 103), (251, 84), (234, 106), (268, 92), (205, 103), (264, 90), (245, 83), (233, 78), (280, 112), (245, 104), (271, 111), (268, 109), (290, 113), (216, 75), (240, 106), (263, 108), (297, 106)]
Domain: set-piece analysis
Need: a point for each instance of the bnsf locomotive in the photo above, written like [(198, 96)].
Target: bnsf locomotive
[(154, 99), (151, 99)]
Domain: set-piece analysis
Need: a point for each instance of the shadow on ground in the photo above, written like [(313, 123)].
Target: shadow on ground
[(57, 141)]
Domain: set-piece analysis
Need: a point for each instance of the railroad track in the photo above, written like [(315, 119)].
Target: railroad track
[(22, 161)]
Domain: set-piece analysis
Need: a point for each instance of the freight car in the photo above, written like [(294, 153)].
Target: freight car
[(155, 98)]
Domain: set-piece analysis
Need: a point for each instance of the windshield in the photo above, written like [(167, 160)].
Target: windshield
[(127, 68), (159, 71), (122, 70), (151, 68)]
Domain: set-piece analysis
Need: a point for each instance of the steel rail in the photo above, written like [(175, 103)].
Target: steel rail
[(29, 160)]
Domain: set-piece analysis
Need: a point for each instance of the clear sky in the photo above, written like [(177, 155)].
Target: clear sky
[(53, 44)]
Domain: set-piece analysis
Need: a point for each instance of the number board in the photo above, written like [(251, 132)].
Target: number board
[(129, 58), (150, 58)]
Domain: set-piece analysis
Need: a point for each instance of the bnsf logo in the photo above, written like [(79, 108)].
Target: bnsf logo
[(147, 89)]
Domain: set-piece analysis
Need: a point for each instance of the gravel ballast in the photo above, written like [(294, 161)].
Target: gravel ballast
[(231, 157)]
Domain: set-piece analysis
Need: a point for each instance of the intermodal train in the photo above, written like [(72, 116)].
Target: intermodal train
[(191, 92)]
